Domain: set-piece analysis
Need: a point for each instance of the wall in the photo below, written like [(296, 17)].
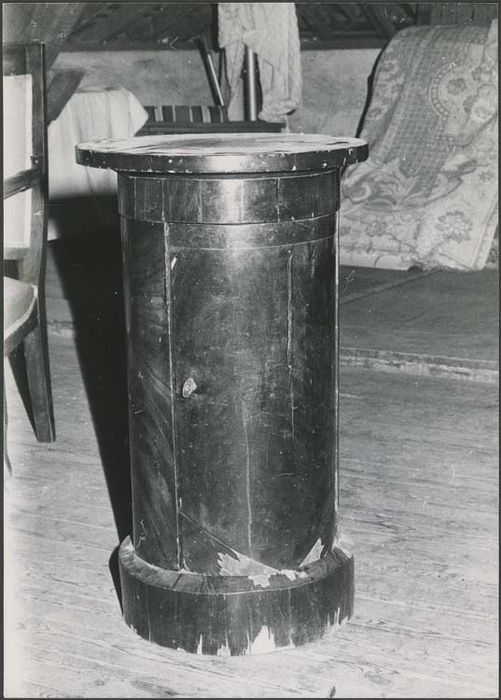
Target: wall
[(334, 90), (155, 77), (334, 82)]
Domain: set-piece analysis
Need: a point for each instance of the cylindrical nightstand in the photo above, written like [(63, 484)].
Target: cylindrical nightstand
[(230, 278)]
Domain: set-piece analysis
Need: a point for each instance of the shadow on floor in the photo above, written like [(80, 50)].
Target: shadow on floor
[(89, 268)]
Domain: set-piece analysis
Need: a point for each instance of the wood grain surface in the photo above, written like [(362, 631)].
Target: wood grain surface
[(228, 200), (223, 153), (255, 331), (155, 477)]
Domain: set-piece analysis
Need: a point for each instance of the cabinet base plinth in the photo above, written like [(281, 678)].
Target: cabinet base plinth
[(234, 615)]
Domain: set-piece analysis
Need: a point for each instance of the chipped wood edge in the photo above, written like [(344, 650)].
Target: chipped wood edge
[(235, 615)]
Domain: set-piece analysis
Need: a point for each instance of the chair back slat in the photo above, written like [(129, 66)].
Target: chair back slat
[(21, 181)]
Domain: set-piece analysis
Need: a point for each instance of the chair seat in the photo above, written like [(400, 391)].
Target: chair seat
[(19, 306)]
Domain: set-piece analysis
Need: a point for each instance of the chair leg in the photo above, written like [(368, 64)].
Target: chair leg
[(6, 460), (38, 374)]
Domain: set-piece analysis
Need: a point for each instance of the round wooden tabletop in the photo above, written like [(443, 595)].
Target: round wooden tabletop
[(223, 153)]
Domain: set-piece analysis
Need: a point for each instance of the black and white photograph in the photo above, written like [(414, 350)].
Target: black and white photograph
[(251, 339)]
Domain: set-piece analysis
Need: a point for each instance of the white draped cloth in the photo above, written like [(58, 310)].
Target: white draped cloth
[(91, 114), (271, 31), (17, 152)]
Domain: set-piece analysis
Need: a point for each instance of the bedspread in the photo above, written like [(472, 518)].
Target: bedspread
[(428, 194)]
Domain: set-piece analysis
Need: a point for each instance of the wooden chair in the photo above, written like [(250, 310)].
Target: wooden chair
[(25, 230)]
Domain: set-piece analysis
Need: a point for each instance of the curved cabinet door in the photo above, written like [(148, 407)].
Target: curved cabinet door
[(253, 342)]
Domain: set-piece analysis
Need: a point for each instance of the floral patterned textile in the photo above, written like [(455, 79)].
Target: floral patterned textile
[(428, 194)]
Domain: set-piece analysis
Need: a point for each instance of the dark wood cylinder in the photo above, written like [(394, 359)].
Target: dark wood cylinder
[(230, 278)]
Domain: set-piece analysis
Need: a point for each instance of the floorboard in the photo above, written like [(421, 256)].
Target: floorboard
[(444, 314), (419, 504)]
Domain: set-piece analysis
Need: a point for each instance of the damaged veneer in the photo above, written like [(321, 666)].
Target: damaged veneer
[(236, 614)]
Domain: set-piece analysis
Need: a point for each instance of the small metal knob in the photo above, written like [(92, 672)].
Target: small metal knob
[(188, 387)]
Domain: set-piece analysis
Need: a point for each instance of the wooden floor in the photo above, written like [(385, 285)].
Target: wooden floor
[(437, 322), (419, 501)]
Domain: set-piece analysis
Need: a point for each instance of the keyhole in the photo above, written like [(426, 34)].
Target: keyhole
[(188, 387)]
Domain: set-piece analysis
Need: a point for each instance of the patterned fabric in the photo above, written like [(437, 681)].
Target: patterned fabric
[(428, 193), (195, 114)]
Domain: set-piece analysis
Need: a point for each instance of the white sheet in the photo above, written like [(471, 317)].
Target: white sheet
[(90, 114), (17, 151)]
